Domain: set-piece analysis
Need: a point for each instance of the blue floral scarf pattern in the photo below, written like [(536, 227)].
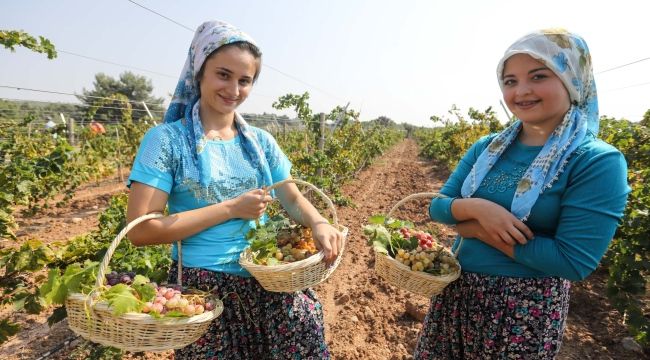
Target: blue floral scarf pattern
[(567, 55)]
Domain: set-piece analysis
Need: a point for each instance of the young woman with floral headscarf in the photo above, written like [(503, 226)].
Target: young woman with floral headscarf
[(209, 167), (536, 204)]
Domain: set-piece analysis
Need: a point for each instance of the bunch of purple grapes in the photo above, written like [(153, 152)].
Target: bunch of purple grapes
[(114, 278)]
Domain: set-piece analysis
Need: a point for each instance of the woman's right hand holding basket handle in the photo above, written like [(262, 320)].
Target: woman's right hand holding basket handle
[(327, 237)]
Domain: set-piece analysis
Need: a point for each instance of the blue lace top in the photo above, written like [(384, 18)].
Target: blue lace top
[(165, 161)]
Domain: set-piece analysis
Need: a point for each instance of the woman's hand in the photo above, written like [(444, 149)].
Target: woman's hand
[(496, 222), (499, 223), (472, 229), (328, 239), (250, 205)]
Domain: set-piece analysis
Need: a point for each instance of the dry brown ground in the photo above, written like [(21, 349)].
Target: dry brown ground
[(365, 317)]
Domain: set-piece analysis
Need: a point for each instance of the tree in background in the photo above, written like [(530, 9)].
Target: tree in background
[(12, 38), (9, 110), (384, 121), (646, 119), (136, 88)]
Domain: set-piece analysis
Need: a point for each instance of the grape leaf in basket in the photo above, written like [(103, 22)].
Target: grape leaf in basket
[(53, 290), (122, 300), (393, 223), (378, 236), (385, 237), (263, 237), (271, 261), (146, 291), (377, 219), (75, 279)]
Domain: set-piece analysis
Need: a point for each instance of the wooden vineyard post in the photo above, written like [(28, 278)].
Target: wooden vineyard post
[(284, 130), (321, 141), (70, 127), (119, 156)]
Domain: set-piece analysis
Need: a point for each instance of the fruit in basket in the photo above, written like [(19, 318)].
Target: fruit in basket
[(114, 278), (171, 302), (278, 242), (141, 295), (433, 261), (414, 248)]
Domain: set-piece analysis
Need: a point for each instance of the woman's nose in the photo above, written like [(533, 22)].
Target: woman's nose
[(523, 88), (233, 89)]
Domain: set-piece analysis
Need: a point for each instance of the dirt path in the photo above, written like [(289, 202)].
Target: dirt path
[(365, 317)]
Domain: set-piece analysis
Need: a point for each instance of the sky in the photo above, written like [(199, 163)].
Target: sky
[(406, 59)]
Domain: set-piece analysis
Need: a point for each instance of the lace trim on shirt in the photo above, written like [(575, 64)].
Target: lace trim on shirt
[(501, 181)]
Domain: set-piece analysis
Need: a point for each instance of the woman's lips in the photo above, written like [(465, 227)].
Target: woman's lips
[(527, 104)]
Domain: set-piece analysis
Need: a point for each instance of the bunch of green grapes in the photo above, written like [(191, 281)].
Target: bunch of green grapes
[(433, 261)]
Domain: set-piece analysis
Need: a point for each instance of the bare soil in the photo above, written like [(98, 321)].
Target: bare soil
[(365, 317)]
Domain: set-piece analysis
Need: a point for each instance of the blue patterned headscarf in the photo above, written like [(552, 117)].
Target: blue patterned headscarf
[(567, 55), (184, 106)]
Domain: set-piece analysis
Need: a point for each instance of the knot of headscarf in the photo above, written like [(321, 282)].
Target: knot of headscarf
[(567, 55), (208, 37)]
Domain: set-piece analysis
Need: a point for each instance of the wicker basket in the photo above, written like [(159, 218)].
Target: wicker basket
[(402, 276), (95, 321), (297, 275)]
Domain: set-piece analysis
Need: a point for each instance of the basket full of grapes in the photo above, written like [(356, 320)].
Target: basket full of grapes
[(283, 257), (129, 312), (408, 258)]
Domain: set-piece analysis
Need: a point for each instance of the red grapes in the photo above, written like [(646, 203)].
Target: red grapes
[(114, 278)]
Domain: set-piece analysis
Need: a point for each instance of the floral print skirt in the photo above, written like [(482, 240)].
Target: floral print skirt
[(495, 317), (255, 323)]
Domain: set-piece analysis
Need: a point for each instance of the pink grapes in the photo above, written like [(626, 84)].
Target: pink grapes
[(169, 300)]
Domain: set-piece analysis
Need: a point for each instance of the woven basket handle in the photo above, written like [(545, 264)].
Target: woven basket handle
[(111, 248), (429, 195), (329, 203)]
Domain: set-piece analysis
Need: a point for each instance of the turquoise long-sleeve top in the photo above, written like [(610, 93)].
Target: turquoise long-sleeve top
[(573, 221)]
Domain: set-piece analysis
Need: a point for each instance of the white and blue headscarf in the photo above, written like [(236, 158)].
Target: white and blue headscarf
[(567, 55), (208, 37)]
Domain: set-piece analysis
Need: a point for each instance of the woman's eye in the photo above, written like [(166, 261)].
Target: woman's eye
[(539, 76), (508, 82), (222, 75), (244, 82)]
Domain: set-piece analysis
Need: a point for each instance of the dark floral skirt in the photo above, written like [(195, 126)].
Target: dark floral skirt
[(495, 317), (255, 323)]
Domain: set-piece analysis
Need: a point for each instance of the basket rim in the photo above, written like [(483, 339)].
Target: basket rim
[(422, 195), (245, 261), (146, 318), (421, 274)]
